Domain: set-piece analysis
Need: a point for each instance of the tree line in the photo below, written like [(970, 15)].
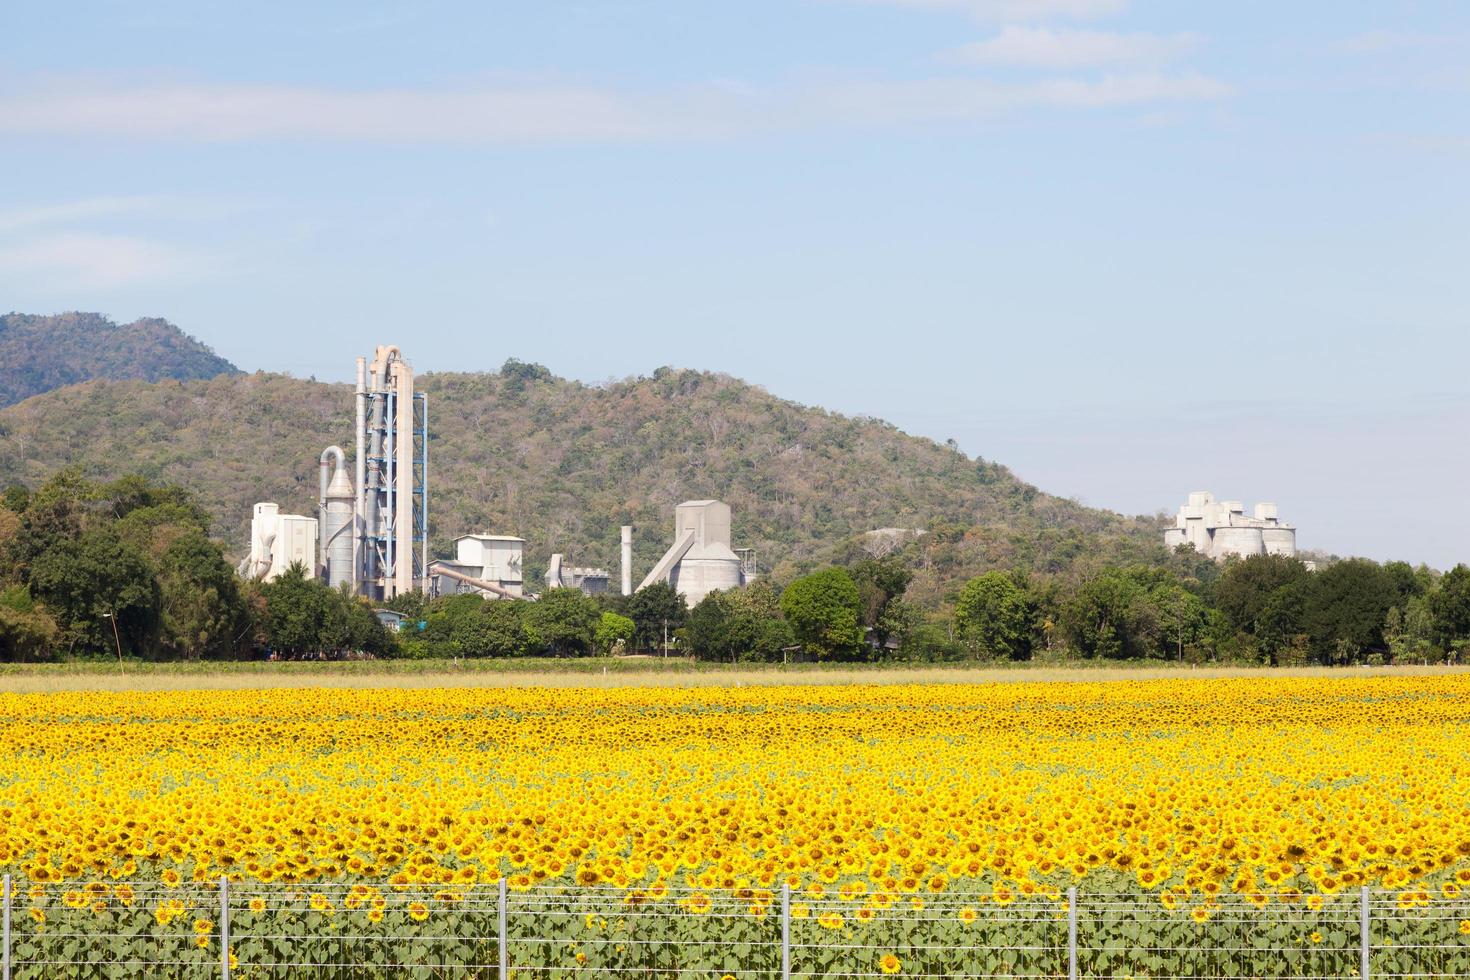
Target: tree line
[(127, 568), (1262, 610)]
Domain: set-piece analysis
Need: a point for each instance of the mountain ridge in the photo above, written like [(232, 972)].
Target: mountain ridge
[(563, 464), (44, 353)]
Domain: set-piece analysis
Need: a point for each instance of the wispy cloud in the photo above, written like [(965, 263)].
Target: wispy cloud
[(883, 103), (1014, 11), (70, 212), (93, 261), (1375, 42), (208, 112), (237, 113), (1041, 47)]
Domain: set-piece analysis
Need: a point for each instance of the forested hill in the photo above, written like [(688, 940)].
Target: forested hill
[(43, 353), (562, 464)]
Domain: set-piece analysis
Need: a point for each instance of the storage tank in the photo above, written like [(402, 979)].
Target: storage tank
[(337, 504), (1242, 541), (1279, 540)]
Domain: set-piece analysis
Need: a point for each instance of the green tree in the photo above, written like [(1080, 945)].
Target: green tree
[(825, 613), (486, 627), (414, 605), (16, 498), (26, 631), (994, 617), (1409, 632), (714, 629), (52, 516), (132, 492), (654, 608), (305, 615), (202, 611), (1247, 587), (1449, 605), (767, 635), (1183, 617), (612, 632), (364, 631), (564, 620), (881, 584), (1345, 607), (295, 609), (1281, 626), (92, 579), (1112, 616)]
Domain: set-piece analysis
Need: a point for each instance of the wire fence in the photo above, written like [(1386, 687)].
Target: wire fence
[(254, 931)]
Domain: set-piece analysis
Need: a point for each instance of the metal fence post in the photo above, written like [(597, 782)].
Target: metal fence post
[(5, 945), (504, 953), (785, 930), (224, 927), (1072, 933), (1365, 936)]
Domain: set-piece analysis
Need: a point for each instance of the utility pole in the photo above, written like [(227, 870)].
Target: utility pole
[(109, 616)]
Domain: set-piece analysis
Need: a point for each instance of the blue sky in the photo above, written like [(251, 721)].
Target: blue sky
[(1129, 249)]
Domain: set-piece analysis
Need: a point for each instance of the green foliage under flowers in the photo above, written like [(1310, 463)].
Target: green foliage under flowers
[(366, 932)]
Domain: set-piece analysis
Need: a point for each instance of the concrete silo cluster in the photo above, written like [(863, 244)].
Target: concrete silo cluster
[(1221, 529)]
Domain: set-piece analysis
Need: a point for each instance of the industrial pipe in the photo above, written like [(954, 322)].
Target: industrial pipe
[(480, 584)]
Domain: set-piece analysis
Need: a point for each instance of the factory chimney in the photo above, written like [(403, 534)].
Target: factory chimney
[(627, 559)]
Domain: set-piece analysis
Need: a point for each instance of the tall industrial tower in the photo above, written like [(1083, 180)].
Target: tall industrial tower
[(391, 549)]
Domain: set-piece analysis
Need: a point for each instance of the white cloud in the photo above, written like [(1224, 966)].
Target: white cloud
[(237, 113), (1012, 11), (248, 112), (93, 261), (68, 212), (886, 103), (1374, 42), (1041, 47)]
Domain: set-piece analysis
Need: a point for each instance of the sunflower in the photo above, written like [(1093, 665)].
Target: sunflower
[(890, 963)]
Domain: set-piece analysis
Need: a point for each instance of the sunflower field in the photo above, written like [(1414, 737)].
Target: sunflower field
[(1221, 827)]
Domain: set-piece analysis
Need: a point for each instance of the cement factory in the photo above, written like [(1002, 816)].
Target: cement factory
[(370, 532), (1220, 529)]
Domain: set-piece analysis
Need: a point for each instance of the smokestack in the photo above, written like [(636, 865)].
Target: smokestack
[(627, 559), (403, 472), (360, 466)]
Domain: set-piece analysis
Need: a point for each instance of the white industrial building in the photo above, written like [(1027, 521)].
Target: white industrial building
[(1220, 529), (277, 541), (701, 560), (560, 575), (489, 564)]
